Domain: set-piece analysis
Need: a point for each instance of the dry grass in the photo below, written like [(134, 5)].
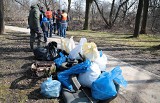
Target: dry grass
[(16, 86), (144, 42)]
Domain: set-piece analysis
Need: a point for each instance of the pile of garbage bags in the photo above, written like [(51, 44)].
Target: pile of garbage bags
[(89, 64)]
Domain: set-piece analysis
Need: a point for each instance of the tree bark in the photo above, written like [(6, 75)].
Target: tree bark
[(145, 15), (138, 19), (1, 17), (86, 22), (111, 13), (69, 5)]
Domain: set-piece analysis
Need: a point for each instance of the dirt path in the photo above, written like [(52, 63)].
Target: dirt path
[(144, 59), (16, 86)]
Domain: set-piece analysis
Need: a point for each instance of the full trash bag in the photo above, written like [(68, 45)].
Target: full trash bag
[(40, 53), (50, 88), (63, 77), (74, 54), (52, 50), (87, 78), (67, 44), (104, 87), (102, 61), (60, 60), (90, 51)]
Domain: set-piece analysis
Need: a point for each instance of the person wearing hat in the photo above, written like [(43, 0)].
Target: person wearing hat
[(34, 25)]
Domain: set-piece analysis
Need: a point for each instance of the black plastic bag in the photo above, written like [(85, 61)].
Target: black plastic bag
[(40, 53)]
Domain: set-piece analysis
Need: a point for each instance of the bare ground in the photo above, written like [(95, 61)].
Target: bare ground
[(141, 58), (16, 84)]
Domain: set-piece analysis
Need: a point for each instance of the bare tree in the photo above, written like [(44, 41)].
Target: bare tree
[(145, 15), (87, 12), (101, 13), (117, 13), (154, 16), (46, 3), (69, 5), (1, 17), (24, 3), (126, 8), (138, 18), (78, 9), (112, 15)]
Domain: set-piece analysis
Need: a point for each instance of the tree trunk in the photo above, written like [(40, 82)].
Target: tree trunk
[(86, 22), (111, 13), (145, 15), (69, 5), (138, 18), (1, 17)]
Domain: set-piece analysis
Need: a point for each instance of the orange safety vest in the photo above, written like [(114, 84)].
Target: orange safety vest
[(64, 16), (49, 14)]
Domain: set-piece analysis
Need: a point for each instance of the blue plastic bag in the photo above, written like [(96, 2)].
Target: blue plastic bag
[(60, 60), (104, 88), (50, 88), (63, 77)]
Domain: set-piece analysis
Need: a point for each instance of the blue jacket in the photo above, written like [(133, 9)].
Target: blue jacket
[(45, 24)]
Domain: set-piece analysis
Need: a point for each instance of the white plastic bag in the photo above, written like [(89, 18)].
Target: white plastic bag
[(67, 44), (87, 78), (102, 61), (90, 51), (74, 54)]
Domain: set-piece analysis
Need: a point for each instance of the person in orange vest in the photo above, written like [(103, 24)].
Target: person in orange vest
[(64, 23), (48, 14)]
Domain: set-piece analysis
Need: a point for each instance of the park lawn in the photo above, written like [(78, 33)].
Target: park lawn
[(144, 41)]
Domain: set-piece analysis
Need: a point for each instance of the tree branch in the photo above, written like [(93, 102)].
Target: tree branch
[(119, 10), (101, 13), (21, 4)]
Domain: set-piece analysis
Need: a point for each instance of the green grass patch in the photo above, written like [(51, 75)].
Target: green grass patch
[(144, 41)]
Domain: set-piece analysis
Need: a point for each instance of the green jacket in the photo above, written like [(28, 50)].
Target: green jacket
[(34, 16)]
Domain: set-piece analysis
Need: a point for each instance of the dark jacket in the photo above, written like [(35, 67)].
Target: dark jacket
[(45, 24), (58, 19), (53, 17), (34, 17), (42, 13)]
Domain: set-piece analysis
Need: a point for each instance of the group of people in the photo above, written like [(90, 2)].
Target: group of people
[(43, 23)]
